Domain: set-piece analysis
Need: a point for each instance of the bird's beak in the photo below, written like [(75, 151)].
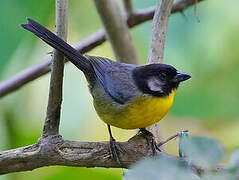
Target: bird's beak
[(181, 76)]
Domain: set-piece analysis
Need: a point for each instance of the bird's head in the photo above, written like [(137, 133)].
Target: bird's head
[(158, 79)]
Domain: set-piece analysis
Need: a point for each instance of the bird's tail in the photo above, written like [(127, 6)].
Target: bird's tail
[(50, 38)]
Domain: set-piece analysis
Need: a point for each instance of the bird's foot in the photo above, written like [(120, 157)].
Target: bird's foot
[(151, 140), (115, 150)]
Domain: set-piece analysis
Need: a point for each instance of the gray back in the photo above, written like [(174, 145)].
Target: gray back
[(116, 79)]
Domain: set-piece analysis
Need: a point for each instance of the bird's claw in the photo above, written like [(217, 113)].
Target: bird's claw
[(150, 140), (115, 150)]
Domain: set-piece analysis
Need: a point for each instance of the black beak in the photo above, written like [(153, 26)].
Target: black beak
[(181, 77)]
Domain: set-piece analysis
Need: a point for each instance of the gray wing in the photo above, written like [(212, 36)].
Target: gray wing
[(115, 78)]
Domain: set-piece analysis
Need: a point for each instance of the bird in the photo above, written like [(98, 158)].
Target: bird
[(125, 96)]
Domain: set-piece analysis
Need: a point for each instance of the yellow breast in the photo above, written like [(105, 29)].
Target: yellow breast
[(141, 112)]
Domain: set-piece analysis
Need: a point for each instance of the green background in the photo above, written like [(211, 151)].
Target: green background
[(204, 45)]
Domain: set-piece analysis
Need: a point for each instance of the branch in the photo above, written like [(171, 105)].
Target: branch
[(159, 31), (128, 7), (143, 15), (156, 49), (180, 5), (85, 45), (51, 126), (53, 150), (117, 31), (43, 67)]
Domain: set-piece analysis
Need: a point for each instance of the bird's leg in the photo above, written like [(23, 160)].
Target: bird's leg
[(150, 139), (114, 150)]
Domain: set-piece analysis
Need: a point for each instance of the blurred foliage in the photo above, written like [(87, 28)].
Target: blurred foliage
[(11, 13), (161, 168), (206, 105), (201, 152)]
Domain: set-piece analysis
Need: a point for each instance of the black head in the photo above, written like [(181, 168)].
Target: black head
[(158, 79)]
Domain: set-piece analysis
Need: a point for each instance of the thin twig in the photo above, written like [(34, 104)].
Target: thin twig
[(117, 31), (170, 138), (97, 38), (51, 126)]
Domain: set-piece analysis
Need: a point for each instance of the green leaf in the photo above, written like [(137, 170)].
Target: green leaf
[(160, 169), (202, 151)]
